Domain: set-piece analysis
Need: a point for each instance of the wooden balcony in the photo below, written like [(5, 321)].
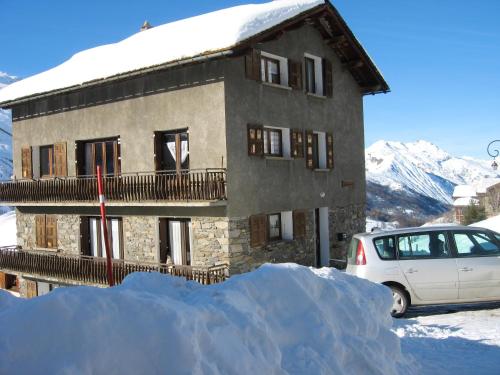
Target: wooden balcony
[(92, 270), (164, 186)]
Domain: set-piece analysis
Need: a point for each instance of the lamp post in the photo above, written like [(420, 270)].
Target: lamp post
[(493, 153)]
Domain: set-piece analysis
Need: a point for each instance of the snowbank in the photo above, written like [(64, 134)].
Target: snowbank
[(493, 223), (280, 319), (8, 229), (162, 44)]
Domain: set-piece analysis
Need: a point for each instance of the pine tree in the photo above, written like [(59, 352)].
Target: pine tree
[(473, 213)]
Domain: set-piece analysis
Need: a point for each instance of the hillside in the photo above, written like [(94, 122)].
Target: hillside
[(5, 139)]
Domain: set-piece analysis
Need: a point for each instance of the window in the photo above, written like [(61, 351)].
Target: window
[(47, 161), (172, 150), (46, 231), (475, 244), (386, 247), (297, 143), (319, 150), (273, 142), (274, 227), (270, 70), (423, 245), (105, 153), (319, 76), (92, 238)]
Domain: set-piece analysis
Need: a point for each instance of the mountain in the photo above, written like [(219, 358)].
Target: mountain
[(5, 138), (414, 181)]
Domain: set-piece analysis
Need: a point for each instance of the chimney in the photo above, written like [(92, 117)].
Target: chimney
[(145, 26)]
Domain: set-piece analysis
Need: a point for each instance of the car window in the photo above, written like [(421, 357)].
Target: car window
[(424, 245), (476, 244), (386, 247)]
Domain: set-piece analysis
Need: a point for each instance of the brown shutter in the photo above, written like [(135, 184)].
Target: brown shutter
[(255, 140), (309, 150), (327, 78), (329, 151), (84, 235), (295, 74), (26, 163), (61, 159), (299, 225), (258, 230), (3, 280), (157, 150), (297, 143), (117, 157), (51, 231), (40, 230), (31, 289), (252, 65), (163, 237)]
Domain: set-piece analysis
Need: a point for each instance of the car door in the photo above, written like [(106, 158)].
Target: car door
[(478, 261), (425, 258)]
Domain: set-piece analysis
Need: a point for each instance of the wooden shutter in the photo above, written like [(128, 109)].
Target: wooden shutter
[(40, 231), (163, 237), (258, 230), (255, 140), (26, 162), (329, 151), (327, 78), (309, 149), (31, 289), (51, 231), (85, 236), (297, 143), (3, 280), (295, 74), (61, 159), (252, 65), (299, 225)]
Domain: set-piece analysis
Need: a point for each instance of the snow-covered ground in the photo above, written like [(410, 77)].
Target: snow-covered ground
[(492, 223), (8, 229), (453, 339)]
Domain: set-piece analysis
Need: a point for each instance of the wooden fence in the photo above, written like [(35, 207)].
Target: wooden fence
[(189, 185), (92, 270)]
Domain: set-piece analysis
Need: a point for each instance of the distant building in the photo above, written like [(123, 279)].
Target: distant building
[(217, 151), (485, 193)]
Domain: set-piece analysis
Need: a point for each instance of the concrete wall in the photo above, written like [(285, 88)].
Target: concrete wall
[(260, 185), (196, 104)]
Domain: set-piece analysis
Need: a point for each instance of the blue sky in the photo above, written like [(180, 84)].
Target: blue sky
[(441, 58)]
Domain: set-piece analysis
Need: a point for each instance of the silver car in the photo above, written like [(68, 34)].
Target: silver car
[(429, 265)]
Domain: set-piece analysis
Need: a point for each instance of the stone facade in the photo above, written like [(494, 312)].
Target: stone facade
[(140, 238), (349, 220), (244, 258), (68, 229), (210, 241)]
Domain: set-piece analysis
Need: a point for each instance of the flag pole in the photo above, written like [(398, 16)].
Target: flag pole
[(109, 265)]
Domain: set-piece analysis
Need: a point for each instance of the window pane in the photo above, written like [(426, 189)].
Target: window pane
[(464, 244), (273, 69), (385, 247), (98, 155), (485, 243), (169, 152), (184, 150), (420, 245), (275, 136), (310, 76), (266, 142), (46, 161), (315, 151), (404, 247), (274, 227), (110, 158), (89, 159)]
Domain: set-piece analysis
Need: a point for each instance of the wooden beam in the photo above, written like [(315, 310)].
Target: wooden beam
[(353, 64)]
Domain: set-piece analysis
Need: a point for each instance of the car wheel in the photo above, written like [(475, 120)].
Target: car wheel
[(399, 302)]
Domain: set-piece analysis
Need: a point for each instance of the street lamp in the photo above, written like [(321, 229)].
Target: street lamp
[(493, 153)]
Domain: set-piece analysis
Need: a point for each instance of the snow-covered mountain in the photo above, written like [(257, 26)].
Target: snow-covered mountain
[(5, 139), (421, 175)]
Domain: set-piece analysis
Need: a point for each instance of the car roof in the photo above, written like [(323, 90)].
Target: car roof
[(433, 228)]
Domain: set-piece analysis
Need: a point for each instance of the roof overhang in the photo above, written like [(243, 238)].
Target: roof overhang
[(325, 18)]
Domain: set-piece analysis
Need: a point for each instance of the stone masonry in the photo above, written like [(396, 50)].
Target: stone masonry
[(210, 241), (140, 238), (350, 220)]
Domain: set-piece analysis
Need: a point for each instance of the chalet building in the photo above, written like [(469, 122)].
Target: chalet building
[(223, 147), (485, 193)]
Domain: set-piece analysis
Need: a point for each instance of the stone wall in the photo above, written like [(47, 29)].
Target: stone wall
[(68, 229), (140, 238), (244, 258), (350, 220), (210, 241)]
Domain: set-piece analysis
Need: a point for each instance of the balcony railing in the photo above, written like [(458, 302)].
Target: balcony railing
[(92, 270), (186, 185)]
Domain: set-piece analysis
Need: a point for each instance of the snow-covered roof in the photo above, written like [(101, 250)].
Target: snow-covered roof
[(466, 191), (486, 183), (465, 201), (187, 38)]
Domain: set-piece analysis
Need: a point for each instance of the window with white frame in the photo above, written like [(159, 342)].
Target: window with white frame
[(276, 141), (319, 150), (274, 69), (314, 74)]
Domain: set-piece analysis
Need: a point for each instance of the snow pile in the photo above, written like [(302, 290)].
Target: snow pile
[(173, 41), (423, 168), (493, 223), (8, 229), (279, 319)]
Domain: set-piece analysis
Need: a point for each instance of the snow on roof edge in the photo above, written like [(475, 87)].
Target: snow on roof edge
[(277, 12)]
